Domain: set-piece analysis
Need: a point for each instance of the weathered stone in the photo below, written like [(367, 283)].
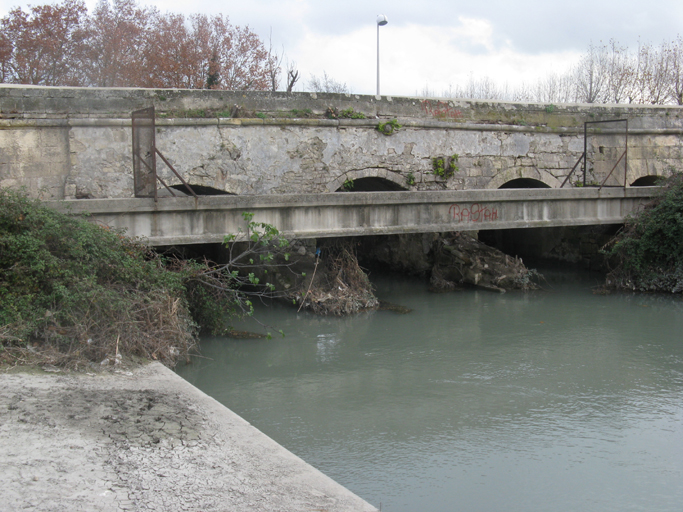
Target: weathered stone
[(72, 143)]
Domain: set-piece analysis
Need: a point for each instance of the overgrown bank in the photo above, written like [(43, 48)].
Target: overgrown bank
[(647, 254), (73, 293)]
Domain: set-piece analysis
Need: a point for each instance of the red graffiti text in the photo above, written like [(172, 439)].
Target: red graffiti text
[(474, 213)]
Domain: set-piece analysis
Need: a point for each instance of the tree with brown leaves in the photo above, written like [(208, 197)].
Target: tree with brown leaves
[(116, 38), (124, 45), (43, 46)]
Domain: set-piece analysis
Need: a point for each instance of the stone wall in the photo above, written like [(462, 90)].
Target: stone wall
[(76, 143)]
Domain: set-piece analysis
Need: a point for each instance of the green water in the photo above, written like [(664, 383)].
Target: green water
[(559, 400)]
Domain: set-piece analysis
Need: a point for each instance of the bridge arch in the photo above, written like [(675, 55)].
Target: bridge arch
[(526, 177), (647, 181), (369, 180), (524, 183), (200, 190)]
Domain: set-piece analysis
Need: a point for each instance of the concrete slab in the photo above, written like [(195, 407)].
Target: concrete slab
[(144, 440)]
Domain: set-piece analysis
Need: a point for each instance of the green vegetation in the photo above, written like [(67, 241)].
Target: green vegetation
[(301, 113), (647, 254), (410, 179), (199, 113), (348, 184), (591, 183), (74, 292), (389, 127), (348, 113), (445, 167)]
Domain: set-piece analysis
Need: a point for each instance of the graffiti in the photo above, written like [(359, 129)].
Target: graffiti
[(440, 109), (475, 213)]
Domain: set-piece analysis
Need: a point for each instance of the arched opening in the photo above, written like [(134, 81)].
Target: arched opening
[(648, 181), (524, 183), (200, 190), (370, 185)]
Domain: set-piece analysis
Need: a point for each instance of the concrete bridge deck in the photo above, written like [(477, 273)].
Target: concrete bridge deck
[(207, 219)]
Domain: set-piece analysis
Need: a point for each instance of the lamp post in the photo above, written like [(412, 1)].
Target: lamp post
[(381, 21)]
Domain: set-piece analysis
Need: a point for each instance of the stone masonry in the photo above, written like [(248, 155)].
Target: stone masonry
[(76, 143)]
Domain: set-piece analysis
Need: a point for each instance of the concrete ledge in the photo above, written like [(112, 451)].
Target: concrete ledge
[(145, 440), (50, 121), (207, 219)]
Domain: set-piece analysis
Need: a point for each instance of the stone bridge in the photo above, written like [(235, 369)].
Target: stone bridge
[(70, 143)]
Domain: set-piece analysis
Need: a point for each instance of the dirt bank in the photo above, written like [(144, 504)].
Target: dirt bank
[(144, 440)]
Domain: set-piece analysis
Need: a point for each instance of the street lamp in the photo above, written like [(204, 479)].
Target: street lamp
[(381, 21)]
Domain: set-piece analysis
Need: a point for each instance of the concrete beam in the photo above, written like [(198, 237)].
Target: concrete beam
[(207, 219)]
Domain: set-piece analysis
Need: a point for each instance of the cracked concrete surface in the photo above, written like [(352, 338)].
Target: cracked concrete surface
[(144, 440)]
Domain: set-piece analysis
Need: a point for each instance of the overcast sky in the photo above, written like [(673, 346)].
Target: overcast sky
[(437, 43)]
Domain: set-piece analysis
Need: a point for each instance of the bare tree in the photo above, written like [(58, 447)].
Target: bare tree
[(590, 75), (676, 71), (619, 73), (274, 65), (292, 76), (652, 73), (327, 84)]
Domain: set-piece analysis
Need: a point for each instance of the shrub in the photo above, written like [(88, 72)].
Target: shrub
[(76, 291), (647, 254)]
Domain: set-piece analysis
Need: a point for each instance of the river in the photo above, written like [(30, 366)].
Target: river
[(555, 400)]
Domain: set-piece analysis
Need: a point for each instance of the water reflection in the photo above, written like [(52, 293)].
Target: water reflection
[(558, 400)]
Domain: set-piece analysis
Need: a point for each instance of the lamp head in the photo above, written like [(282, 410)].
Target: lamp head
[(382, 20)]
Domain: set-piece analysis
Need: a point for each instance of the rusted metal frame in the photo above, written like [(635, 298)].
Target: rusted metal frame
[(146, 114), (626, 156), (610, 173), (572, 171), (585, 148), (167, 187), (158, 178), (174, 171), (585, 151)]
